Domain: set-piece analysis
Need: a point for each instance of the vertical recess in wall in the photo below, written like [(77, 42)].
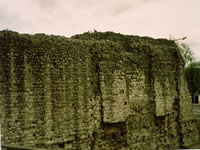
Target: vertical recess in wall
[(48, 131), (75, 97), (5, 84), (28, 101), (17, 91)]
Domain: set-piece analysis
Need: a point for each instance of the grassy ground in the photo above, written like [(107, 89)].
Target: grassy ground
[(196, 111)]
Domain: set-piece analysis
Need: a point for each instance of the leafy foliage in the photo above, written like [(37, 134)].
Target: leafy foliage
[(186, 53), (192, 75), (125, 40), (192, 69)]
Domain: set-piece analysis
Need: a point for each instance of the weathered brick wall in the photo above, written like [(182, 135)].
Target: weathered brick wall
[(93, 91)]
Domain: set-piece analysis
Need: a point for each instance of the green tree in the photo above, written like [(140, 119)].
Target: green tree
[(191, 71), (186, 53), (192, 75)]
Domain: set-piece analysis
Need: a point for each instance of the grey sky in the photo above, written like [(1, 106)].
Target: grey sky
[(155, 18)]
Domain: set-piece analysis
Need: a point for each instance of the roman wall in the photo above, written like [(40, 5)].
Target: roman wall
[(93, 91)]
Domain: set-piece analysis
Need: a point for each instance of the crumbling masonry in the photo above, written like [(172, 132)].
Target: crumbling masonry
[(95, 91)]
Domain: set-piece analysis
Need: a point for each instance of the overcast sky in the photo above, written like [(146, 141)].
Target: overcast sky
[(155, 18)]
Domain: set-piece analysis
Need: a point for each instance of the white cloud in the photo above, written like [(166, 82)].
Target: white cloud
[(48, 5)]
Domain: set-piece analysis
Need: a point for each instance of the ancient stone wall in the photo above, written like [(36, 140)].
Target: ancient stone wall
[(93, 91)]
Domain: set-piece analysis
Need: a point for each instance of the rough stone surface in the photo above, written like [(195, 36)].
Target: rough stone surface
[(93, 91)]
